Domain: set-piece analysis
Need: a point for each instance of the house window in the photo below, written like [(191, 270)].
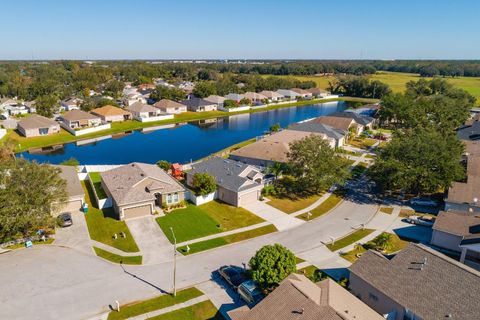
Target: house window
[(175, 197), (169, 198), (372, 296)]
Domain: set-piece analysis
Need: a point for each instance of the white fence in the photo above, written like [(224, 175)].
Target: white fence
[(101, 203), (199, 200), (85, 131), (157, 118), (3, 132), (237, 109)]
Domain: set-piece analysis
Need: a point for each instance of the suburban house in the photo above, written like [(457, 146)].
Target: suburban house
[(465, 195), (146, 88), (255, 97), (237, 183), (35, 126), (11, 107), (234, 96), (199, 105), (146, 113), (132, 98), (318, 93), (299, 298), (363, 122), (170, 106), (288, 94), (305, 94), (270, 149), (458, 231), (80, 119), (340, 123), (469, 131), (272, 95), (71, 103), (110, 113), (218, 100), (335, 137), (30, 105), (138, 189), (417, 283), (75, 193)]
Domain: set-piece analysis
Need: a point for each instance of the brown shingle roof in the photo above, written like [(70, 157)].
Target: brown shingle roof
[(69, 174), (141, 107), (299, 298), (35, 121), (166, 103), (109, 110), (76, 115), (458, 223), (335, 122), (441, 287)]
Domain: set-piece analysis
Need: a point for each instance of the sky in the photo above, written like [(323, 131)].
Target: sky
[(215, 29)]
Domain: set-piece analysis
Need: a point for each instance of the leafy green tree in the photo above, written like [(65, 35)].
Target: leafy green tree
[(275, 127), (381, 242), (164, 164), (162, 92), (419, 161), (271, 264), (315, 165), (46, 105), (114, 88), (245, 101), (204, 183), (204, 89), (229, 104), (29, 193), (71, 162)]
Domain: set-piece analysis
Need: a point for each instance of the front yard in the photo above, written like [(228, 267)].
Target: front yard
[(362, 143), (327, 205), (200, 221), (292, 204), (102, 225)]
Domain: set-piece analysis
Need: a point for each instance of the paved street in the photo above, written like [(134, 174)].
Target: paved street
[(278, 218)]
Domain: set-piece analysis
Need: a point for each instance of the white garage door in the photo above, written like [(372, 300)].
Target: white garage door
[(248, 198), (135, 212)]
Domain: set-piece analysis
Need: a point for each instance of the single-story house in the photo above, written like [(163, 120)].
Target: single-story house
[(75, 192), (218, 100), (465, 196), (318, 93), (35, 125), (336, 137), (234, 96), (199, 105), (288, 94), (299, 298), (270, 149), (146, 113), (340, 123), (469, 131), (170, 106), (303, 93), (71, 103), (272, 95), (417, 283), (138, 189), (255, 97), (80, 119), (237, 183), (363, 122), (110, 113), (457, 231)]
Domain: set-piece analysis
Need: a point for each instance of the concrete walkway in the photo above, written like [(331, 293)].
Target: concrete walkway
[(171, 308), (279, 219), (113, 250), (223, 297)]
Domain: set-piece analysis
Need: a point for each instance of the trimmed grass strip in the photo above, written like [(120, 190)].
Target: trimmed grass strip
[(323, 208), (387, 210), (348, 240), (36, 242), (97, 184), (115, 258), (201, 311)]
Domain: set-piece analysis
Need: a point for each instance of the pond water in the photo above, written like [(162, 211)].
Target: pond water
[(180, 143)]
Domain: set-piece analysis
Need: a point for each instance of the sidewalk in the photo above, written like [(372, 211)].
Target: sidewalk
[(279, 219)]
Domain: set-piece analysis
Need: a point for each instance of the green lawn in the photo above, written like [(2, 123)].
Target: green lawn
[(221, 241), (292, 204), (201, 311), (313, 273), (348, 240), (160, 302), (323, 208), (22, 245), (387, 210), (200, 221), (362, 143), (97, 184), (112, 257), (102, 225)]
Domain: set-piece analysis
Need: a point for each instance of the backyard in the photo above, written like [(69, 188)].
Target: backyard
[(97, 184)]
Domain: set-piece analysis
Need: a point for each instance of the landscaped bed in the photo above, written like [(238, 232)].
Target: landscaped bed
[(102, 225), (200, 221), (221, 241), (97, 184), (327, 205), (160, 302), (292, 204), (115, 258), (350, 239)]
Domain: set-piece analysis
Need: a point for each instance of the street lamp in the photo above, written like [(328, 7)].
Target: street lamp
[(174, 262)]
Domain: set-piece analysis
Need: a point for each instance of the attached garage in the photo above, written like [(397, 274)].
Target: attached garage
[(135, 212), (248, 197)]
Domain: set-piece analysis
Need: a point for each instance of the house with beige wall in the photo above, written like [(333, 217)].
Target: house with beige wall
[(110, 113), (36, 125), (170, 106), (76, 119)]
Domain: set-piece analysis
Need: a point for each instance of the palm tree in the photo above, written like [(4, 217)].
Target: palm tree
[(382, 241), (276, 169)]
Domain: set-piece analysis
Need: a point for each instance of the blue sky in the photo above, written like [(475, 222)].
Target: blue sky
[(183, 29)]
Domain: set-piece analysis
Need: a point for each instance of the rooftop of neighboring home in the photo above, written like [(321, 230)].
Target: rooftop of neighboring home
[(311, 126), (335, 122), (299, 298), (109, 110), (72, 101), (234, 96), (469, 191), (136, 182), (459, 223), (167, 103), (287, 92), (215, 99), (272, 147), (69, 174), (470, 131), (229, 174), (316, 91), (301, 91), (271, 94), (358, 118), (254, 96), (77, 115), (430, 284), (141, 107), (36, 121), (7, 101), (196, 102)]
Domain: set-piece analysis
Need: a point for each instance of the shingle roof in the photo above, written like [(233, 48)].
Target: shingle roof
[(466, 192), (69, 174), (335, 122), (36, 121), (76, 115), (271, 94), (166, 103), (215, 99), (141, 107), (441, 287), (136, 182), (109, 110), (469, 131), (229, 174), (358, 118), (254, 96), (297, 298), (462, 224), (234, 96), (196, 102), (310, 126), (301, 91)]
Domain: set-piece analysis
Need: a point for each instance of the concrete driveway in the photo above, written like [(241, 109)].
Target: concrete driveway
[(281, 220), (76, 236), (154, 246)]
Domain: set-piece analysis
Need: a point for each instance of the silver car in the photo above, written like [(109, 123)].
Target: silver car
[(425, 221), (423, 202)]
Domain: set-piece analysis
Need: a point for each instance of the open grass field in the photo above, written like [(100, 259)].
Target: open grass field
[(201, 311), (291, 205), (160, 302), (102, 225), (115, 258)]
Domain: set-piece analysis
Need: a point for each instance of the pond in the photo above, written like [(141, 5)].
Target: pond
[(183, 142)]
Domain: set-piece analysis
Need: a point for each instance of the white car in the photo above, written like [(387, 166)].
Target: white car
[(425, 221), (423, 202)]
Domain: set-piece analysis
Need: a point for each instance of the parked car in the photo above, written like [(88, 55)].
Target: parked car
[(425, 221), (65, 219), (424, 202), (233, 275), (250, 292)]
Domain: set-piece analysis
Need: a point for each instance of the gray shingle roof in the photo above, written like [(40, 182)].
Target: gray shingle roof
[(442, 286), (77, 115), (469, 132), (196, 103), (141, 107), (69, 174), (310, 126), (360, 119), (229, 174), (36, 121)]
